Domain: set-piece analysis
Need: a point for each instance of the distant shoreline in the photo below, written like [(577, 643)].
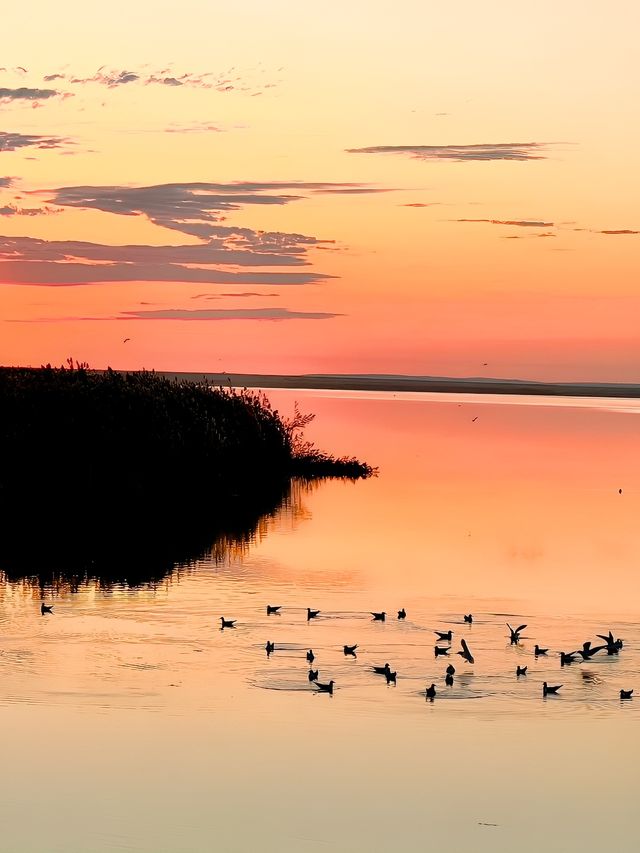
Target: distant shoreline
[(421, 384)]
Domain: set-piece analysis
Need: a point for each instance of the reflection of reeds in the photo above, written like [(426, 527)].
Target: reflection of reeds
[(112, 472)]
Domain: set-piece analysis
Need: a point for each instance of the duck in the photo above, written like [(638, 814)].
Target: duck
[(521, 670), (538, 651), (271, 608), (310, 656), (46, 608), (451, 670), (444, 635), (626, 694), (350, 650), (270, 647), (313, 674), (311, 614), (430, 692), (465, 653), (547, 690), (448, 679), (227, 623), (468, 618), (515, 633), (382, 670), (441, 650), (378, 617), (402, 614), (391, 677), (324, 688)]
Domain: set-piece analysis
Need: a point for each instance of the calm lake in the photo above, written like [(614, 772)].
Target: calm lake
[(133, 723)]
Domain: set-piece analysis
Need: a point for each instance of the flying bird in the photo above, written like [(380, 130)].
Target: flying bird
[(402, 614), (350, 650), (272, 609), (125, 340), (311, 614), (227, 623), (444, 635), (46, 608), (378, 617), (465, 653), (515, 633), (325, 688), (473, 420), (547, 690), (431, 692)]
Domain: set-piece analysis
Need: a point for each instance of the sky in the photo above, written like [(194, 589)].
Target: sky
[(415, 188)]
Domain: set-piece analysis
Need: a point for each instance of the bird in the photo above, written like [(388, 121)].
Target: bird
[(382, 670), (46, 608), (270, 647), (515, 633), (310, 656), (613, 646), (227, 623), (272, 609), (468, 618), (125, 340), (402, 614), (473, 420), (626, 694), (350, 650), (567, 657), (587, 652), (391, 677), (619, 491), (324, 688), (451, 670), (521, 670), (313, 674), (378, 617), (441, 650), (547, 690), (465, 653), (311, 614), (538, 651), (444, 635), (431, 692), (448, 679)]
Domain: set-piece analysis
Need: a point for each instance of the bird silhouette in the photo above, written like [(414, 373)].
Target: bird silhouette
[(450, 670), (311, 614), (469, 618), (350, 650), (310, 656), (402, 614), (227, 623), (378, 617), (547, 690), (444, 635), (270, 647), (567, 658), (382, 670), (587, 652), (441, 650), (613, 646), (430, 692), (324, 688), (391, 677), (313, 674), (515, 633), (538, 651), (521, 670), (46, 608), (465, 653), (272, 609), (125, 340), (448, 679), (626, 694)]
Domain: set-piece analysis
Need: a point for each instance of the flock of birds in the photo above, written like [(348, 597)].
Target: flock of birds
[(611, 645)]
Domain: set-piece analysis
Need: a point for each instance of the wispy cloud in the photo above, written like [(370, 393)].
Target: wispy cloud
[(16, 141), (13, 210), (521, 223), (618, 231), (462, 153), (420, 204), (227, 314), (6, 182), (25, 94), (243, 293), (195, 127)]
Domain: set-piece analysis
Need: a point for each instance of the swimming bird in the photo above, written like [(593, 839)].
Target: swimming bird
[(547, 690), (613, 646), (521, 670), (46, 608), (382, 670), (378, 617), (391, 677), (538, 651), (311, 614), (227, 623), (468, 618), (587, 652), (270, 647), (272, 609), (402, 614), (441, 650), (515, 633), (626, 694), (324, 688), (313, 674), (465, 653), (350, 650), (450, 670), (310, 656), (567, 657), (431, 692), (448, 679), (444, 635)]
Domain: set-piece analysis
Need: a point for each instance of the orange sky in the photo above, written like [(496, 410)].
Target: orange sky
[(266, 242)]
